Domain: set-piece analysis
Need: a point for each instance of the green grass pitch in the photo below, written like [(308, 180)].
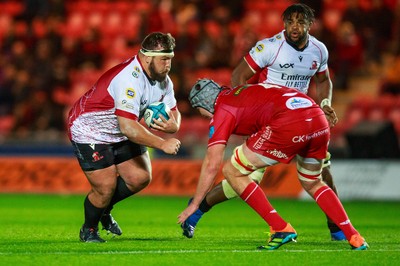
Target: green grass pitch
[(43, 230)]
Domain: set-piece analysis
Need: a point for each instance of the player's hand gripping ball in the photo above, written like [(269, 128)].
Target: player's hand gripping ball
[(153, 111)]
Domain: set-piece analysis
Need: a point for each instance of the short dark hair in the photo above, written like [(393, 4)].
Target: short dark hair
[(305, 10), (157, 40)]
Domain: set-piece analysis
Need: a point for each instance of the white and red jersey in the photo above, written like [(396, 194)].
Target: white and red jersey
[(281, 122), (285, 65), (124, 90)]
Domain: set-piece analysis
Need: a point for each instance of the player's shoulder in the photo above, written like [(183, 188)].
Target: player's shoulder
[(130, 71), (315, 42), (269, 44), (274, 40)]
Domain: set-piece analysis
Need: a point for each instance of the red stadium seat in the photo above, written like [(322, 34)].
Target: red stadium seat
[(112, 24), (272, 22), (340, 5), (12, 8), (376, 114), (221, 76), (75, 25), (5, 23), (6, 124), (132, 24), (95, 19)]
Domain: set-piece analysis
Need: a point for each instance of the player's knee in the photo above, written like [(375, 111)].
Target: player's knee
[(103, 194), (258, 175), (308, 175), (144, 180), (228, 170), (228, 190), (311, 186), (138, 180)]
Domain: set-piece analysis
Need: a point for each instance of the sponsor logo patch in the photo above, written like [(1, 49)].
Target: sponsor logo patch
[(96, 156), (297, 103), (303, 138), (287, 65), (211, 132), (277, 154), (260, 47), (130, 93), (136, 72), (266, 135)]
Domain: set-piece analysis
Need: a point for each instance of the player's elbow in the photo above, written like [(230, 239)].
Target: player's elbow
[(129, 132)]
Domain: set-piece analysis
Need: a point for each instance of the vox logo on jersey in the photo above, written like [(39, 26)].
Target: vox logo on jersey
[(287, 65)]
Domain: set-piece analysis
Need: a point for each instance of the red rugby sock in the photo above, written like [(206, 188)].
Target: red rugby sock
[(331, 205), (255, 198)]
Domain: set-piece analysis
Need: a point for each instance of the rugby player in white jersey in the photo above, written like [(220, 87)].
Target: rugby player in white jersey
[(291, 58), (108, 139)]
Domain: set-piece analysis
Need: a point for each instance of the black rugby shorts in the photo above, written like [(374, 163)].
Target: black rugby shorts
[(99, 156)]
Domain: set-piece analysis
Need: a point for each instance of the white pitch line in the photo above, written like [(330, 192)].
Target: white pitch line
[(189, 251)]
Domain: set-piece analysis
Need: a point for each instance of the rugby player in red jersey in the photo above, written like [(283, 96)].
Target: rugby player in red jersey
[(272, 117)]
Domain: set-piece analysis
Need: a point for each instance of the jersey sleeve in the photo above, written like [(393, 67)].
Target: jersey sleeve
[(221, 127), (324, 58), (262, 54)]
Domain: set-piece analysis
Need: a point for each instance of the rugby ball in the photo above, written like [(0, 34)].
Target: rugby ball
[(153, 111)]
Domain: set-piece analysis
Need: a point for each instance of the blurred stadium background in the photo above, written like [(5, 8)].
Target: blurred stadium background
[(52, 51)]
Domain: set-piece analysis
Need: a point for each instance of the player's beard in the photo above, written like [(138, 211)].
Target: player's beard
[(160, 77), (302, 39)]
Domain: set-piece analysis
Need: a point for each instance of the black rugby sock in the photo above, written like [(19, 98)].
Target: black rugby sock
[(92, 214), (204, 206), (333, 227), (121, 192)]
